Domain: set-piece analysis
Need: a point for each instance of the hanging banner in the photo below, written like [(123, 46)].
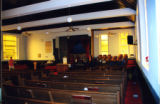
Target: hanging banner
[(48, 47)]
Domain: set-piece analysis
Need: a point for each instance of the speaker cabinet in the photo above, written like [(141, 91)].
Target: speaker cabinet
[(130, 39)]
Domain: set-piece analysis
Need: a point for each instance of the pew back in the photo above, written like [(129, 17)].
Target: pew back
[(66, 96)]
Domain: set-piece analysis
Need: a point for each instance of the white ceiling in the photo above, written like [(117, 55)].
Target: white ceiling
[(58, 4), (78, 17), (46, 6), (84, 27)]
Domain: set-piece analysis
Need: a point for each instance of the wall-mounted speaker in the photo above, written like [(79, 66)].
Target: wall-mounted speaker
[(130, 39)]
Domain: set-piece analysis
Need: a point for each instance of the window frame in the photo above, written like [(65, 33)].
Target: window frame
[(100, 44), (17, 46)]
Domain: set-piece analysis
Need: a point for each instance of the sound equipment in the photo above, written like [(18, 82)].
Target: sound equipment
[(130, 39)]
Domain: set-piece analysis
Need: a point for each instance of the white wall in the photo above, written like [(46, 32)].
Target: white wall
[(149, 26), (36, 44), (114, 48), (113, 43), (158, 36), (22, 47)]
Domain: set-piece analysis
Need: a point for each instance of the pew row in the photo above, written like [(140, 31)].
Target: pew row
[(79, 86), (62, 96), (29, 74)]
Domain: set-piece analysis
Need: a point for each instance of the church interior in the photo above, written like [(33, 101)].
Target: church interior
[(80, 52)]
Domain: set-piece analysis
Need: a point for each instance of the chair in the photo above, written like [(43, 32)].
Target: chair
[(109, 58), (120, 57), (104, 57), (125, 59), (115, 59), (99, 57)]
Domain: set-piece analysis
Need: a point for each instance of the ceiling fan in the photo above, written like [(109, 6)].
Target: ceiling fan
[(26, 34), (111, 33), (71, 29)]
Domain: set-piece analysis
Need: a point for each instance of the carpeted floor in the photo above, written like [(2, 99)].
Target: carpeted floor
[(133, 93)]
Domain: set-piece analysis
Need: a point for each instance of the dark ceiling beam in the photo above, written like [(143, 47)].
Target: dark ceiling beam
[(114, 28), (128, 3), (132, 18), (10, 4), (79, 23)]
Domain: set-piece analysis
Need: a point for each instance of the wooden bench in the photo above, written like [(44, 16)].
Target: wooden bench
[(30, 74), (100, 78), (96, 72), (19, 100), (62, 96), (108, 80), (79, 86), (85, 77), (88, 75), (24, 74)]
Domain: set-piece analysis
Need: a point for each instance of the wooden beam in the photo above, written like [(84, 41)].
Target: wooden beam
[(92, 43), (115, 28)]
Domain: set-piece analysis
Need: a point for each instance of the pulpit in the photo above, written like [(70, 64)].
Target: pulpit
[(62, 68)]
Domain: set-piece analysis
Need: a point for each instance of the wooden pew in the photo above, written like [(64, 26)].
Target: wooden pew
[(32, 75), (23, 74), (73, 77), (97, 97), (84, 77), (108, 80), (121, 80), (96, 72), (19, 100), (79, 86), (88, 75), (100, 78), (29, 74), (87, 80), (64, 96), (92, 73), (75, 86)]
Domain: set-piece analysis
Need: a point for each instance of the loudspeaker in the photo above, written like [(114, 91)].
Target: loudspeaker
[(130, 39)]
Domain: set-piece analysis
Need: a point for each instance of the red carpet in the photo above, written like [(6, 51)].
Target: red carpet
[(133, 88)]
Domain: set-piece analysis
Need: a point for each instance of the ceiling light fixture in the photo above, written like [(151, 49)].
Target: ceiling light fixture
[(19, 28), (88, 28), (47, 32), (69, 19)]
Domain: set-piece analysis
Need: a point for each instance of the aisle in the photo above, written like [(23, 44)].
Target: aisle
[(133, 89)]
